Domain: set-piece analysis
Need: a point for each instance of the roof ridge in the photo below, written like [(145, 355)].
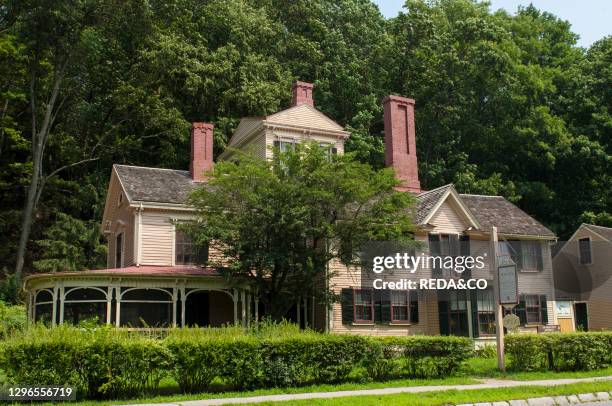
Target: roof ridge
[(596, 226), (151, 167), (435, 190), (473, 194)]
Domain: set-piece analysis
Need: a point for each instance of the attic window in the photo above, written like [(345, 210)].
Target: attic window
[(120, 199), (584, 249)]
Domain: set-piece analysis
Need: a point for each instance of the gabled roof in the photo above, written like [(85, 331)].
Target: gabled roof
[(431, 201), (302, 117), (508, 218), (603, 232), (142, 184), (482, 211), (426, 201)]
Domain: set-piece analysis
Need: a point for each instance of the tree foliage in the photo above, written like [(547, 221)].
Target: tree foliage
[(280, 223), (505, 103)]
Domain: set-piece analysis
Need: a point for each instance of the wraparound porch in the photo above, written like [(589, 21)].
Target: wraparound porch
[(139, 297)]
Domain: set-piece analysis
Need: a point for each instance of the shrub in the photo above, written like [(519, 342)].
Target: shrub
[(579, 351), (102, 362), (527, 352), (416, 356), (559, 351), (12, 318)]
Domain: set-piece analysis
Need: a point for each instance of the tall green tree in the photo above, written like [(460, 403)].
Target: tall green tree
[(279, 223)]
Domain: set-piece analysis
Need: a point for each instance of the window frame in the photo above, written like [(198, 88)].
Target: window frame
[(527, 311), (590, 247), (357, 291), (532, 255), (194, 249), (120, 249), (392, 306), (489, 313)]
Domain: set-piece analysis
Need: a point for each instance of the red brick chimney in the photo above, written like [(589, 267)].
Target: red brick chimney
[(400, 142), (201, 150), (302, 93)]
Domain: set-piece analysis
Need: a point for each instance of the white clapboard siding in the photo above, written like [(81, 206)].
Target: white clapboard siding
[(446, 220), (156, 239), (304, 116)]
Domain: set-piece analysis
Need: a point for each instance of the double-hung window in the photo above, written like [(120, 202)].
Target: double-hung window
[(526, 254), (486, 312), (533, 309), (186, 252), (363, 306), (400, 306)]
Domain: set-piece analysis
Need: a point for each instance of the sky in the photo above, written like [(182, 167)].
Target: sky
[(591, 19)]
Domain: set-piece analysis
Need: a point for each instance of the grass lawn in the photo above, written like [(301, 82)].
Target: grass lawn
[(473, 371), (457, 397)]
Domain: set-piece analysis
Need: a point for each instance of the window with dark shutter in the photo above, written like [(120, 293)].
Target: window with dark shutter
[(414, 306), (543, 310), (464, 251), (119, 251), (346, 302), (434, 251)]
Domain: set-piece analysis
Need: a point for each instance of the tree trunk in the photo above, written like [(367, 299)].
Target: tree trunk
[(39, 139), (26, 222)]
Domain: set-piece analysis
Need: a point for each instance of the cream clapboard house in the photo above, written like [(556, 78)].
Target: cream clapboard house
[(583, 280), (152, 279)]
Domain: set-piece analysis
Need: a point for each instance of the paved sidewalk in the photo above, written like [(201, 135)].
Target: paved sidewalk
[(487, 384)]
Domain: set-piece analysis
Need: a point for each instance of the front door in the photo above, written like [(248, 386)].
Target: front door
[(453, 313), (581, 315)]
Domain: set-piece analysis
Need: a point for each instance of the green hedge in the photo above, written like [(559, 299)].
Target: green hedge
[(99, 364), (107, 363), (416, 356), (559, 352)]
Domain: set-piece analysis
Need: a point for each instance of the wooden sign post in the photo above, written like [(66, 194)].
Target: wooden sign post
[(499, 328)]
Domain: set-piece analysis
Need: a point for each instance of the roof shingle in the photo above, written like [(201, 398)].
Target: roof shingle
[(155, 184), (508, 218)]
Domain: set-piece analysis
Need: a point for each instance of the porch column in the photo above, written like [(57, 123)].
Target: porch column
[(174, 305), (54, 307), (243, 307), (117, 306), (61, 309), (109, 304), (183, 300), (235, 298)]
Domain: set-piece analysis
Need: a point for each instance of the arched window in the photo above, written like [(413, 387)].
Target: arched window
[(43, 306), (82, 304), (142, 307)]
